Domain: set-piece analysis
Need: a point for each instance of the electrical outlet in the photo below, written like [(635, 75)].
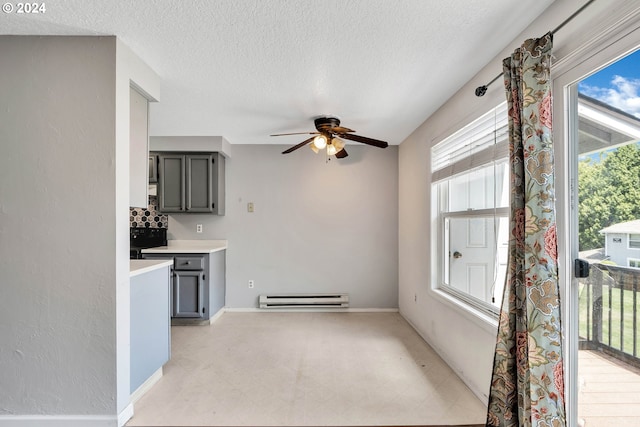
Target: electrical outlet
[(251, 284), (198, 228), (250, 207)]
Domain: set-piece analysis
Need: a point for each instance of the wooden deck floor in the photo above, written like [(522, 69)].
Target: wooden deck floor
[(609, 391)]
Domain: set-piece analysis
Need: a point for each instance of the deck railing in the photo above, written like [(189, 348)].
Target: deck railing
[(609, 311)]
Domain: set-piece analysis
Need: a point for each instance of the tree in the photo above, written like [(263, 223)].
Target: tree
[(609, 192)]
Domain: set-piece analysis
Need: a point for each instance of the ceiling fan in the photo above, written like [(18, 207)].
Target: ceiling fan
[(329, 134)]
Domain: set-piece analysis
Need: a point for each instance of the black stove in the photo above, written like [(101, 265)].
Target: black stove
[(143, 238)]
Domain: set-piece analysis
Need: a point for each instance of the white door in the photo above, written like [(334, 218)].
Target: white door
[(476, 239), (471, 256)]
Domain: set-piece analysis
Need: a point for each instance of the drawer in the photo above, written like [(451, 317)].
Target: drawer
[(189, 263)]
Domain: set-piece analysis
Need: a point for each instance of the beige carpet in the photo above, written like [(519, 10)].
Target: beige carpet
[(305, 369)]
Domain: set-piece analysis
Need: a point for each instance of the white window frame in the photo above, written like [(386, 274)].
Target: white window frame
[(633, 260), (636, 240), (482, 143)]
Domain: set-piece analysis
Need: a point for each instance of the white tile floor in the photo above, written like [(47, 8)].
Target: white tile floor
[(305, 369)]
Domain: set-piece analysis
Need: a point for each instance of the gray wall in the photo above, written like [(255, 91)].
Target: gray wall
[(317, 226), (467, 340), (57, 226)]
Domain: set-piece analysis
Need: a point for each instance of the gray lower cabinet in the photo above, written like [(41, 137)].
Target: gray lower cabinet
[(191, 182), (198, 284), (188, 289)]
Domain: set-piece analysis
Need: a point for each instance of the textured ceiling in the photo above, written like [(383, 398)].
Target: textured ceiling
[(245, 69)]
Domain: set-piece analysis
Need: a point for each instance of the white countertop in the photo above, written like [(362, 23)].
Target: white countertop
[(188, 247), (141, 266)]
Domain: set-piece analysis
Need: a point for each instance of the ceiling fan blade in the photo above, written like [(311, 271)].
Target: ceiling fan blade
[(295, 133), (340, 129), (295, 147), (342, 154), (365, 140)]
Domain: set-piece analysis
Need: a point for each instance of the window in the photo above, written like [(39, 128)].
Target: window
[(634, 263), (470, 177), (634, 241)]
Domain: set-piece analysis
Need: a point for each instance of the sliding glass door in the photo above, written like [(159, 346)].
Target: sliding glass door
[(604, 119)]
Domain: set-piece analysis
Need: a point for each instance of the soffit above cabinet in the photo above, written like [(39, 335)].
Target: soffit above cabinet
[(208, 144)]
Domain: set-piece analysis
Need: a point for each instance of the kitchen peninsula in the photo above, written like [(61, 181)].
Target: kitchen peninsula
[(150, 322)]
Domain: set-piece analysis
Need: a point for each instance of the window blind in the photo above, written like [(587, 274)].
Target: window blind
[(484, 140)]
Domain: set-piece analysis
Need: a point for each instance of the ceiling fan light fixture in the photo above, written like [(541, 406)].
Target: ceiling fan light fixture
[(327, 131), (320, 142), (338, 143)]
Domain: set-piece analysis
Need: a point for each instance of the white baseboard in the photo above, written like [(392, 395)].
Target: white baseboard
[(311, 310), (60, 421), (125, 415), (218, 315), (146, 386), (479, 394)]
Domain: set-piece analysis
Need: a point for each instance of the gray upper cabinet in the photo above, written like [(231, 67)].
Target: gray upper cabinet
[(171, 182), (191, 183), (153, 168), (199, 182)]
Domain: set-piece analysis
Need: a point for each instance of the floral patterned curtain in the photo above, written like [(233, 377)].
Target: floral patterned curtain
[(527, 386)]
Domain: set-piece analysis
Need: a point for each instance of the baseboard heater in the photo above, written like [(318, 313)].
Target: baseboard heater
[(304, 301)]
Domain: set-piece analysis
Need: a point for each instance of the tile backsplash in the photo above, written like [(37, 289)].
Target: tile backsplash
[(150, 217)]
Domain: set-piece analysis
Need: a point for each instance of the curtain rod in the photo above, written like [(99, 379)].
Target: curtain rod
[(481, 90)]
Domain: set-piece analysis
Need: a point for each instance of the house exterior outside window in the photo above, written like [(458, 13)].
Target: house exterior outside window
[(622, 243), (470, 186)]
